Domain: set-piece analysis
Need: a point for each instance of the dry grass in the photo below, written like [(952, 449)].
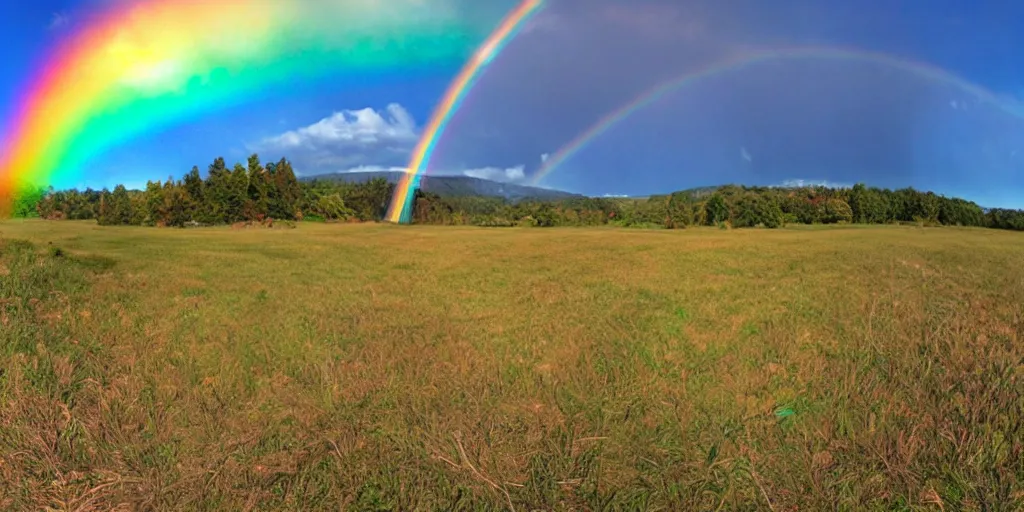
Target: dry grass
[(368, 367)]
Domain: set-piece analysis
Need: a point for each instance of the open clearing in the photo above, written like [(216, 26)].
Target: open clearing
[(378, 367)]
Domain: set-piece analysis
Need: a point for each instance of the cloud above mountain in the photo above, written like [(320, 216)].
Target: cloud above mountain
[(511, 174), (348, 139)]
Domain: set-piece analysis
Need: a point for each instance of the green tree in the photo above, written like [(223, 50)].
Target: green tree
[(154, 201), (116, 207), (285, 196), (753, 209), (177, 204), (332, 207), (836, 210), (216, 193), (716, 208), (259, 184), (26, 201), (679, 212)]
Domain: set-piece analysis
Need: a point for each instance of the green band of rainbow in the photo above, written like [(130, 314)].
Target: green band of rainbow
[(733, 64), (139, 66), (400, 209)]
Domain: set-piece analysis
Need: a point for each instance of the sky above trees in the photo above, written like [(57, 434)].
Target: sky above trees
[(822, 120)]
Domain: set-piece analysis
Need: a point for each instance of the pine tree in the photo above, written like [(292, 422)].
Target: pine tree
[(287, 192), (216, 192), (257, 206), (194, 185)]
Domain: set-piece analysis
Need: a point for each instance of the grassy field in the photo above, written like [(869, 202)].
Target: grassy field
[(378, 367)]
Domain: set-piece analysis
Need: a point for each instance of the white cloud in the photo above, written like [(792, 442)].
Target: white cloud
[(796, 183), (544, 157), (347, 139), (745, 154), (365, 140), (59, 20), (374, 168), (511, 174), (365, 126)]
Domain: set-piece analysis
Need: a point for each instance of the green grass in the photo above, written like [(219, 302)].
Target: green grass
[(378, 367)]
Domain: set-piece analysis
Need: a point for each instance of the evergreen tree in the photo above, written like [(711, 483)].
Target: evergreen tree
[(154, 214), (257, 206), (284, 201), (116, 207)]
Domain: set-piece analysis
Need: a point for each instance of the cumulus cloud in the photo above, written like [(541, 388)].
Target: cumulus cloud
[(347, 139), (510, 174), (364, 140)]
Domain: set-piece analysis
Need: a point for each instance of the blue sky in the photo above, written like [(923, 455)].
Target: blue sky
[(772, 123)]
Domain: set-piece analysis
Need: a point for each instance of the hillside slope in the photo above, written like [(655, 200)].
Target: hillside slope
[(452, 185)]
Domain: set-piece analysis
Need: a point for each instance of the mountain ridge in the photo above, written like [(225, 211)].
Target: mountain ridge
[(451, 185), (448, 185)]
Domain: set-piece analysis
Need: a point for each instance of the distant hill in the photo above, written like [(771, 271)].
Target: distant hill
[(452, 185), (695, 193), (701, 192)]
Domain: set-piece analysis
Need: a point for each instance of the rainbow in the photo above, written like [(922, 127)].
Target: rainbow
[(400, 209), (747, 59), (140, 66)]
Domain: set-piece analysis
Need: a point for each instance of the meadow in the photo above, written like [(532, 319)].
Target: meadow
[(382, 367)]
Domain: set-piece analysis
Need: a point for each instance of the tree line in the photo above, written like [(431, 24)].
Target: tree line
[(726, 206), (244, 193), (255, 192)]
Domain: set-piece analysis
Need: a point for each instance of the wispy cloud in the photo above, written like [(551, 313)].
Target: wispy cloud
[(374, 168), (59, 20), (510, 174), (796, 183)]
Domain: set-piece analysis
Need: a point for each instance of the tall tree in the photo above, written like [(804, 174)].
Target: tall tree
[(260, 183), (284, 202)]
